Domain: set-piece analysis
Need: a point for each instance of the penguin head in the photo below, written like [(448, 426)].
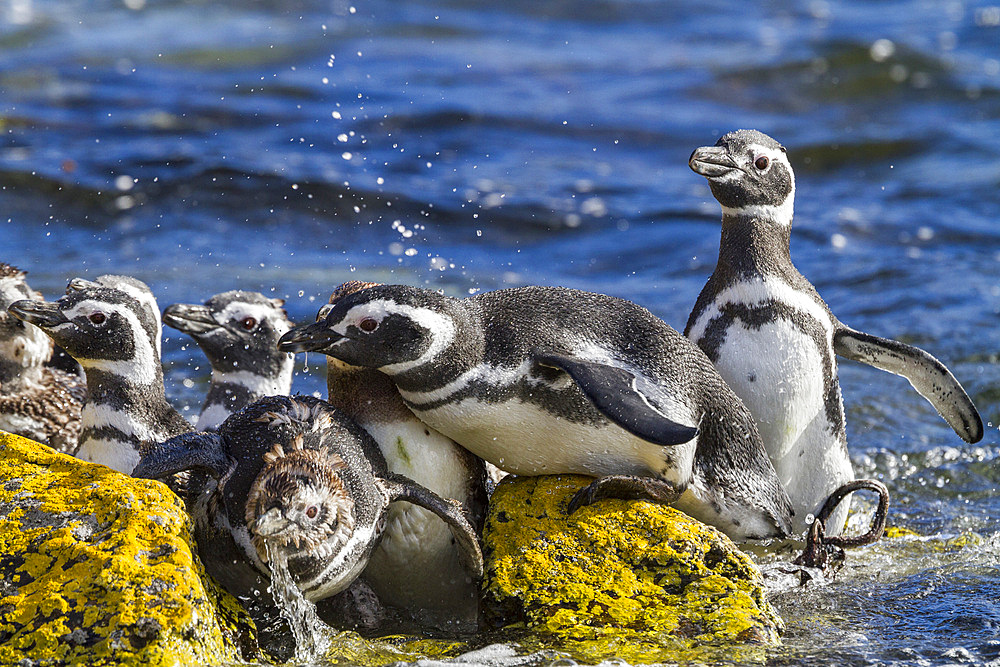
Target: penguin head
[(300, 509), (298, 502), (135, 288), (102, 328), (749, 174), (21, 344), (389, 327), (237, 330)]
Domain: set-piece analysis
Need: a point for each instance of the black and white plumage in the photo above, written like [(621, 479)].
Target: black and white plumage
[(114, 337), (774, 339), (136, 289), (541, 380), (415, 539), (293, 474), (238, 331), (36, 400)]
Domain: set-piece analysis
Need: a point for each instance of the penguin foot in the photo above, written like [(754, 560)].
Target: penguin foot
[(822, 551), (624, 487), (357, 608)]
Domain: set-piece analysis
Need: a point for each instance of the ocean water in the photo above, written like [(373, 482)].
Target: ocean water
[(288, 146)]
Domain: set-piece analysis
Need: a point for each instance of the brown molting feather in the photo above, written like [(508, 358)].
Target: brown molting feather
[(11, 271), (281, 477), (54, 405), (312, 418), (350, 287)]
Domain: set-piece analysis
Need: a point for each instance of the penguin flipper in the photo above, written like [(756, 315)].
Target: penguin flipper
[(450, 511), (927, 375), (615, 392), (189, 451)]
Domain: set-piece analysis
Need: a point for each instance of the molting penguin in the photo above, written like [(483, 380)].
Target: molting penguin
[(113, 337), (542, 380), (295, 476), (238, 332), (36, 400), (774, 339), (415, 540)]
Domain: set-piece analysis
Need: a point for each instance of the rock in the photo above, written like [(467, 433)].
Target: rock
[(630, 580), (98, 568)]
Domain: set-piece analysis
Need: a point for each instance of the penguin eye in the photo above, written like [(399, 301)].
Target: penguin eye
[(312, 511), (368, 324), (98, 317), (761, 162), (248, 323)]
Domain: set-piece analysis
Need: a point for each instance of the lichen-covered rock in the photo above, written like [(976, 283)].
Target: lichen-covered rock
[(631, 580), (97, 568)]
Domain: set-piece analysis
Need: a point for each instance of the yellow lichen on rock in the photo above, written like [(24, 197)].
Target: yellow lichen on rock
[(98, 568), (632, 580)]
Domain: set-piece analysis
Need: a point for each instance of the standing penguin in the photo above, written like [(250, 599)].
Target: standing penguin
[(114, 336), (417, 566), (238, 331), (773, 338), (37, 401), (545, 380)]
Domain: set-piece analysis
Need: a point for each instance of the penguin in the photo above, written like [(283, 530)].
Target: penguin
[(548, 380), (415, 540), (774, 339), (37, 401), (139, 291), (238, 331), (113, 337), (296, 481)]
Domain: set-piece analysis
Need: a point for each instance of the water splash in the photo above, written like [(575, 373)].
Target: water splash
[(312, 640)]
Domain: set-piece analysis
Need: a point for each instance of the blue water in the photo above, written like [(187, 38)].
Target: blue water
[(288, 146)]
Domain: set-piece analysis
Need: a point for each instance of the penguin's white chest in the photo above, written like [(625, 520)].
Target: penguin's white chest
[(779, 373), (524, 439), (784, 370)]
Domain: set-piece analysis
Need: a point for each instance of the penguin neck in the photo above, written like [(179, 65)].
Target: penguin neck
[(258, 384), (463, 351), (124, 391), (753, 245), (366, 395)]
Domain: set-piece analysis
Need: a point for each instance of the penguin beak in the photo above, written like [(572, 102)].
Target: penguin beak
[(712, 161), (189, 318), (308, 338), (270, 524), (40, 313)]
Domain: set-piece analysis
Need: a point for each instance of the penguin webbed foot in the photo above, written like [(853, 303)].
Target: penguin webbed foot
[(357, 608), (624, 487), (622, 397), (450, 511), (824, 551)]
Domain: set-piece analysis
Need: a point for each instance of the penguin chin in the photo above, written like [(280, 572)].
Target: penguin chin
[(325, 562)]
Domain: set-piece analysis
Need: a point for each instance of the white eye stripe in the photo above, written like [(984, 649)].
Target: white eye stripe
[(441, 329), (375, 310), (142, 367), (773, 155), (239, 310), (147, 301)]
